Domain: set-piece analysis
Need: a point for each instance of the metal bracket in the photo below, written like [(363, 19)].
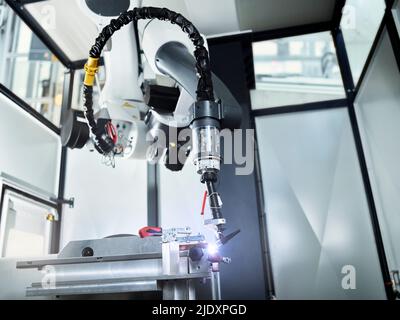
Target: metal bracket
[(215, 221), (206, 109), (70, 201)]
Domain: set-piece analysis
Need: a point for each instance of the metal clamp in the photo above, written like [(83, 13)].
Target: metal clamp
[(70, 201), (91, 68), (215, 221), (206, 109)]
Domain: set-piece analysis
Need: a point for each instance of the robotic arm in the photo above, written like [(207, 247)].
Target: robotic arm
[(133, 108)]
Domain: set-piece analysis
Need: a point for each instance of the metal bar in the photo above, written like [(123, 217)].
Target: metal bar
[(312, 106), (26, 107), (65, 261), (79, 64), (40, 32), (66, 106), (152, 195), (349, 86), (93, 288), (61, 187), (337, 13), (389, 4), (159, 277), (178, 290), (273, 34), (344, 63), (27, 188), (262, 216), (215, 285), (37, 264)]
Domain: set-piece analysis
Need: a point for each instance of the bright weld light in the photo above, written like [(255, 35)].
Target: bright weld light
[(212, 249)]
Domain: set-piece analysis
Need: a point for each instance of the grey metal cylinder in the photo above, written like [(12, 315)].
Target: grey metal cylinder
[(215, 286)]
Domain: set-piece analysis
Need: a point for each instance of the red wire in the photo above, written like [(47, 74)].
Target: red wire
[(112, 132), (204, 203)]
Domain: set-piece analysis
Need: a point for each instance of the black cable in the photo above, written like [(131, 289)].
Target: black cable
[(205, 89)]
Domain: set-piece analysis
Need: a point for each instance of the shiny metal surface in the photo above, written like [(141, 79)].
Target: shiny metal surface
[(170, 258), (112, 246), (40, 263), (179, 290), (92, 288), (215, 286), (129, 264)]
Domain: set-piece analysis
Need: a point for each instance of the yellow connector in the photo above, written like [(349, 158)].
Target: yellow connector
[(91, 68)]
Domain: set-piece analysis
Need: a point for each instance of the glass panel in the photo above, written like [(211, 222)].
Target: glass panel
[(317, 214), (28, 68), (378, 110), (90, 179), (25, 229), (67, 24), (360, 23), (29, 150), (296, 70), (396, 13)]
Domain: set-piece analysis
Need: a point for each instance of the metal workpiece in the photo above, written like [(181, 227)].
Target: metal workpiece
[(120, 265), (113, 246)]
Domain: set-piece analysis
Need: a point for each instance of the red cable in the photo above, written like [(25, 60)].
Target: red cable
[(204, 203), (112, 132)]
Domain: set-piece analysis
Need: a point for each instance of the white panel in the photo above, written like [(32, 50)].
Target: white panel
[(29, 151), (317, 213), (108, 200), (175, 5), (378, 109), (216, 17)]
